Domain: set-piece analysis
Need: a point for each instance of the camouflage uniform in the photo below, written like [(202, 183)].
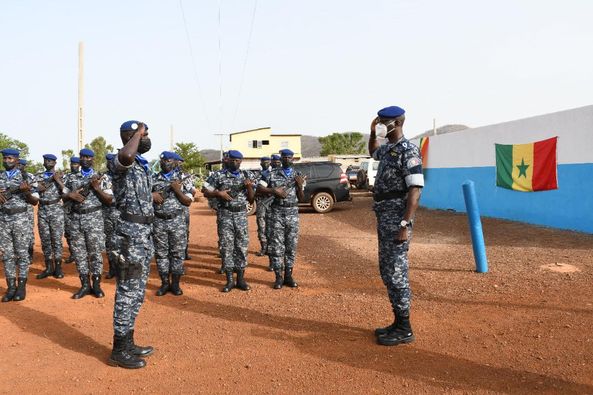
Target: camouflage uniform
[(86, 225), (400, 166), (132, 190), (232, 218), (15, 228), (284, 219), (263, 206), (170, 226), (110, 216), (188, 184), (50, 217)]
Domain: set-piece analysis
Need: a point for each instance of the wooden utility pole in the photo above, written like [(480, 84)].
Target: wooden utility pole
[(80, 95)]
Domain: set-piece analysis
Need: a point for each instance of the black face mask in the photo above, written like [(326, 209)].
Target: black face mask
[(167, 167), (144, 145), (86, 164), (8, 166), (275, 164), (74, 169), (265, 166), (286, 163), (233, 167)]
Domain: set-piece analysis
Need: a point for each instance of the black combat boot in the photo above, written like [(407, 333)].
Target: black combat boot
[(288, 280), (175, 289), (58, 273), (85, 288), (31, 250), (387, 329), (279, 280), (137, 350), (70, 259), (120, 356), (402, 333), (49, 270), (111, 272), (221, 271), (241, 284), (11, 282), (230, 283), (97, 291), (164, 284), (186, 256), (263, 250), (21, 290)]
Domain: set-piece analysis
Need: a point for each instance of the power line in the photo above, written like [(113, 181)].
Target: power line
[(194, 64), (220, 102), (245, 62)]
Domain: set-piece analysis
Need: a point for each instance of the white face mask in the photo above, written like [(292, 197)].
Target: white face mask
[(381, 130)]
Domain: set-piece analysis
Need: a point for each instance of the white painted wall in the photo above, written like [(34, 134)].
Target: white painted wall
[(475, 147)]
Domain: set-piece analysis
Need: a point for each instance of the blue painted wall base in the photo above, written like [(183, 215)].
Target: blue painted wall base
[(569, 207)]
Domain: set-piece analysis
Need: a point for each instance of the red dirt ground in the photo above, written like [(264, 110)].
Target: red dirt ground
[(521, 328)]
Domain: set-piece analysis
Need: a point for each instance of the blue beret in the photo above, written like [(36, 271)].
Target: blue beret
[(110, 156), (86, 152), (263, 158), (130, 126), (10, 152), (275, 157), (234, 154), (391, 112), (286, 152), (179, 158), (50, 157), (74, 159), (23, 162), (167, 155)]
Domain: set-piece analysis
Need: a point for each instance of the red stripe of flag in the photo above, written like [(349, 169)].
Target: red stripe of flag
[(544, 165)]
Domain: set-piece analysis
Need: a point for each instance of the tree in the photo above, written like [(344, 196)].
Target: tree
[(8, 142), (66, 155), (100, 148), (351, 143), (193, 159)]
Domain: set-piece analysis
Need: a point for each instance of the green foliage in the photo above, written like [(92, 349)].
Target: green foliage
[(193, 159), (351, 143), (101, 148), (66, 155), (8, 142), (34, 167)]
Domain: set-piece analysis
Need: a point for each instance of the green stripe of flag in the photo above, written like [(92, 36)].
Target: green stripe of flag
[(504, 165)]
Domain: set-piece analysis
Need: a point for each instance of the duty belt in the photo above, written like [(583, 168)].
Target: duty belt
[(87, 210), (379, 197), (12, 211), (285, 204), (137, 219), (49, 202), (234, 209), (167, 215)]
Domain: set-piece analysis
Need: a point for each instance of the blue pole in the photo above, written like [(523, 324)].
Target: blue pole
[(475, 226)]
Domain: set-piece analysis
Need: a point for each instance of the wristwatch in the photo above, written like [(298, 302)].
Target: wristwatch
[(404, 223)]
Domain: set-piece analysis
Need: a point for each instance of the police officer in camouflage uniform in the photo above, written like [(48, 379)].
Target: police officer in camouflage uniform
[(30, 211), (89, 192), (50, 217), (274, 164), (396, 193), (74, 168), (170, 196), (188, 184), (132, 184), (15, 197), (233, 188), (110, 216), (262, 205), (286, 186)]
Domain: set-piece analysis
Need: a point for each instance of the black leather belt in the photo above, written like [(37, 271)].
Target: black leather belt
[(12, 211), (137, 219), (293, 204), (87, 210), (235, 209), (49, 202), (167, 215), (379, 197)]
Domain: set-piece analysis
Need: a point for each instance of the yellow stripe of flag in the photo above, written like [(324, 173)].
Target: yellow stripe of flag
[(522, 167)]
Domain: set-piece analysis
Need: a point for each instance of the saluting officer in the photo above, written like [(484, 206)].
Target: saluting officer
[(286, 185), (15, 198), (397, 189), (50, 217), (233, 188), (170, 197)]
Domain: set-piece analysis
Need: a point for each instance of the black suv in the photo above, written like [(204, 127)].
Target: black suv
[(326, 184)]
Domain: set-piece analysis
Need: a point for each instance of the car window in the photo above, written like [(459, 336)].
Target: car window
[(375, 165), (324, 171), (364, 165), (305, 170)]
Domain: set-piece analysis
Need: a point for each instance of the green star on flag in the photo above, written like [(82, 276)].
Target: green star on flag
[(522, 168)]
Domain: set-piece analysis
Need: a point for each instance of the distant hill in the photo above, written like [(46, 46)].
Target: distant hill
[(444, 130), (210, 154)]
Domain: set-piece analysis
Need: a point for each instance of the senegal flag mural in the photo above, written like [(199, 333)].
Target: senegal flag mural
[(527, 167)]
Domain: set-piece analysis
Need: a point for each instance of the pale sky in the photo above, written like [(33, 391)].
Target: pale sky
[(313, 67)]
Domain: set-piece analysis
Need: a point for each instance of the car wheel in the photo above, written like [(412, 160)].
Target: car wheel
[(251, 208), (322, 202)]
